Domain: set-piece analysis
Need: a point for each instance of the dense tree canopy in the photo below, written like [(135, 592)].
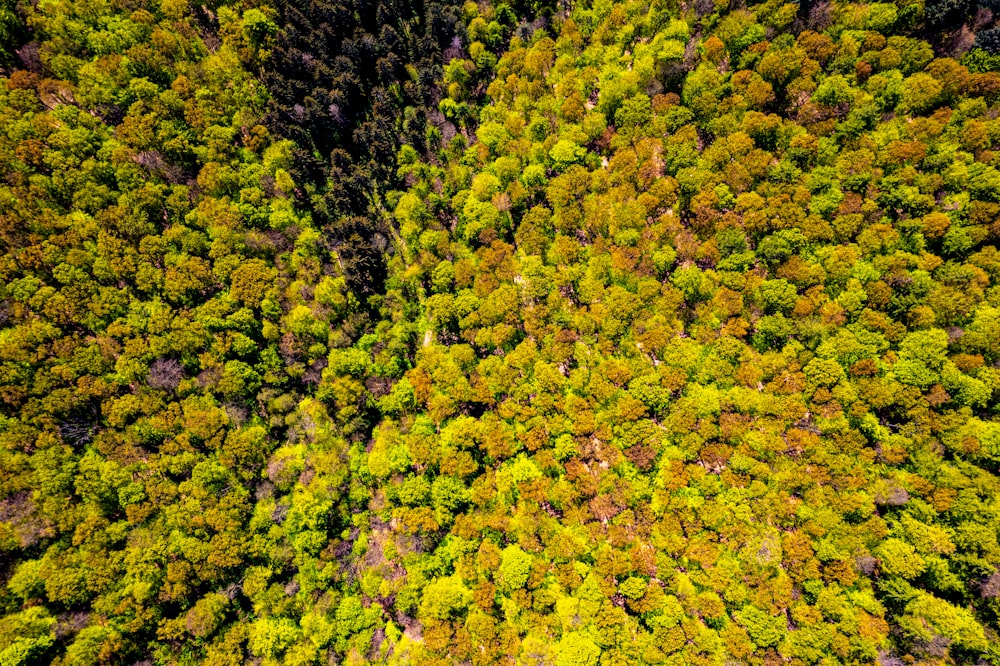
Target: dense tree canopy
[(579, 333)]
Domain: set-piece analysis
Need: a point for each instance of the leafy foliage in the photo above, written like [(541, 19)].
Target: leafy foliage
[(427, 333)]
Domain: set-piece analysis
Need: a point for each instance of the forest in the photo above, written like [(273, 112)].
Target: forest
[(521, 332)]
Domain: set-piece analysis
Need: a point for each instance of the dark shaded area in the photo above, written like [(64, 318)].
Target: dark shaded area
[(350, 82)]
